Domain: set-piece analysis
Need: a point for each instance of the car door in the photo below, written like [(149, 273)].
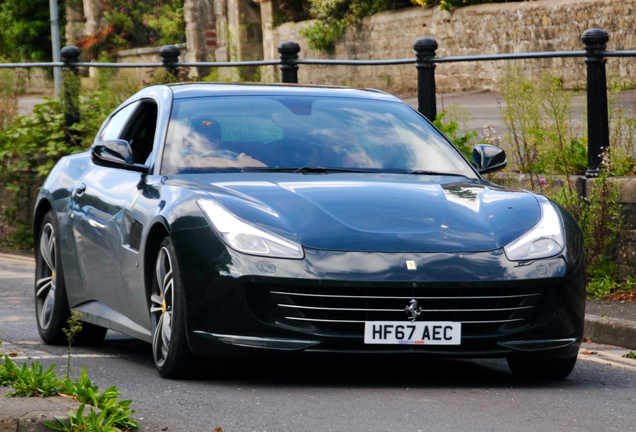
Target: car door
[(97, 211), (140, 206)]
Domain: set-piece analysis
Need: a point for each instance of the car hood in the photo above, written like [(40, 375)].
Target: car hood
[(377, 212)]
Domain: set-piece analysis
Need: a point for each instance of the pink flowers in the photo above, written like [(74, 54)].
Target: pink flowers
[(122, 10), (152, 39), (145, 22), (542, 181)]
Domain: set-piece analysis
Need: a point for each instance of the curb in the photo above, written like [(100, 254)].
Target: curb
[(22, 414), (612, 331)]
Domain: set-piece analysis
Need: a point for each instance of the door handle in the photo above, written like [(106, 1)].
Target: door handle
[(80, 189)]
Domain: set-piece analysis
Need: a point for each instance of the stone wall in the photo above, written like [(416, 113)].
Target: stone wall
[(547, 25), (146, 55)]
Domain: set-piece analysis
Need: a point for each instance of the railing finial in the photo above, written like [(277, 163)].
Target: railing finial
[(425, 48), (288, 51), (70, 54), (170, 58)]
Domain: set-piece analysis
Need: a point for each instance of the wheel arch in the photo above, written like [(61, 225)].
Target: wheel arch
[(158, 231)]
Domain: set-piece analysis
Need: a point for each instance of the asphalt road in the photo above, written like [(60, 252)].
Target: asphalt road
[(329, 395)]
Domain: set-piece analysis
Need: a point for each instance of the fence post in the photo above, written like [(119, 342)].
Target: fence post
[(595, 41), (170, 59), (424, 51), (71, 83), (288, 51)]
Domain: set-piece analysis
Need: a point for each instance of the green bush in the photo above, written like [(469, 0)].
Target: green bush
[(335, 16), (32, 144), (25, 29), (136, 23), (451, 130)]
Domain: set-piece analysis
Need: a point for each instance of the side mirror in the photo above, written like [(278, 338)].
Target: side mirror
[(489, 158), (116, 154)]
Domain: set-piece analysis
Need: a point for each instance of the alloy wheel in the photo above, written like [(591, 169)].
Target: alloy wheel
[(162, 307), (46, 277)]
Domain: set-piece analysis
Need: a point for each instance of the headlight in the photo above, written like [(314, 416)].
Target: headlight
[(246, 238), (544, 240)]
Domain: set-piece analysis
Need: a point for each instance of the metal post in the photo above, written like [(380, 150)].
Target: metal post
[(595, 41), (55, 46), (70, 55), (424, 51), (288, 51), (170, 59)]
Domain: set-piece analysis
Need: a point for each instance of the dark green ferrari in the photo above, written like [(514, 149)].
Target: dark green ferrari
[(224, 220)]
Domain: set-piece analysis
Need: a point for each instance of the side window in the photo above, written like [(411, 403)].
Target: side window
[(140, 131), (116, 123)]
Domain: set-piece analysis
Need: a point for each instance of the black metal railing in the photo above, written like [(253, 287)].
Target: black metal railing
[(595, 54)]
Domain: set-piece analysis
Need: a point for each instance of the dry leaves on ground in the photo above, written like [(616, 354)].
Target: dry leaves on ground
[(622, 295)]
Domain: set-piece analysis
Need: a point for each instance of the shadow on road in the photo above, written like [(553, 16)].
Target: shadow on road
[(360, 371)]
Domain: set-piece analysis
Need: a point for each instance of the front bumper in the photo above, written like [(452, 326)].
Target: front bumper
[(241, 305)]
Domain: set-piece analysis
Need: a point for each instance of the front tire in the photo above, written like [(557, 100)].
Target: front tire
[(172, 356), (51, 303), (551, 369)]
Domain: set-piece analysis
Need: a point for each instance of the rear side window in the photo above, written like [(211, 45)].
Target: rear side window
[(113, 128)]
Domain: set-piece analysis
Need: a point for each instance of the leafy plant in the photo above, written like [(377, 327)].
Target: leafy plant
[(25, 29), (91, 423), (601, 222), (8, 371), (11, 84), (631, 354), (602, 286), (85, 392), (622, 137), (31, 145), (136, 23), (168, 21), (522, 117), (451, 130), (335, 16), (34, 381), (564, 150), (74, 327)]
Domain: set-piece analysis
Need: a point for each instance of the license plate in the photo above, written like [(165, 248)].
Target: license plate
[(417, 333)]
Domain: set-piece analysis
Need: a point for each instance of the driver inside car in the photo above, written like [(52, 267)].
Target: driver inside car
[(200, 142)]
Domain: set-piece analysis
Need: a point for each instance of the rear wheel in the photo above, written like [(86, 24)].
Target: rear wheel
[(170, 349), (553, 369), (51, 304)]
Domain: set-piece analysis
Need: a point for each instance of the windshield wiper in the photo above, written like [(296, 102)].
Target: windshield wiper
[(305, 169), (425, 172)]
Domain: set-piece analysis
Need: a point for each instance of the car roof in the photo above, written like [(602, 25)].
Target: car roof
[(189, 90)]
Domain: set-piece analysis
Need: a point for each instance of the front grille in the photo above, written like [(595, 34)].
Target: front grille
[(343, 310)]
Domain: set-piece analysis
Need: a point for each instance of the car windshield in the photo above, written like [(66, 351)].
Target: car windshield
[(270, 133)]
